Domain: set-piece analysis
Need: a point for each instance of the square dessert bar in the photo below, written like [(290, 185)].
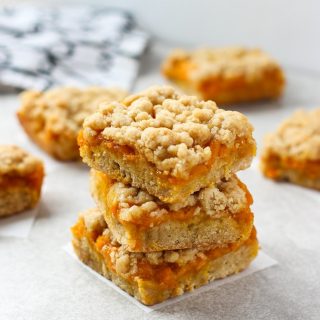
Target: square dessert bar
[(168, 144), (21, 178), (52, 119), (214, 216), (226, 75), (156, 276), (293, 152)]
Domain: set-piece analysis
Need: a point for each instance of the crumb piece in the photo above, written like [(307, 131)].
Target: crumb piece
[(93, 219), (123, 264)]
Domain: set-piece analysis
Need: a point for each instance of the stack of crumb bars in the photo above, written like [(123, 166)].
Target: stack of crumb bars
[(171, 213)]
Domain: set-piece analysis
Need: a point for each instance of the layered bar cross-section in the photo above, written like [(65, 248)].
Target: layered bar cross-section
[(214, 216), (154, 277), (168, 144), (292, 153)]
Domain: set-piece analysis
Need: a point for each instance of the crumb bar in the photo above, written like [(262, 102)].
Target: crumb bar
[(213, 216), (52, 119), (157, 276), (293, 152), (21, 177), (226, 75), (168, 144)]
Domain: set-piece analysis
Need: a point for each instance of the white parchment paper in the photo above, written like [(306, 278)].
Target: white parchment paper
[(262, 262), (18, 225)]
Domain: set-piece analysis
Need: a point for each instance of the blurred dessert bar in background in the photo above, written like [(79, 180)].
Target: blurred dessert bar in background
[(225, 75), (21, 176), (53, 118), (292, 153)]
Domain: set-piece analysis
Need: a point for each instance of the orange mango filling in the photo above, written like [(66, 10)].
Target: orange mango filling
[(275, 165), (215, 87), (165, 275), (33, 180), (180, 70)]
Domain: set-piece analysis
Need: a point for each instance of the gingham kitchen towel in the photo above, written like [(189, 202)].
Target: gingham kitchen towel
[(75, 46)]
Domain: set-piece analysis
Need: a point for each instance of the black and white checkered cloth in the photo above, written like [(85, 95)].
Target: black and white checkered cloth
[(76, 46)]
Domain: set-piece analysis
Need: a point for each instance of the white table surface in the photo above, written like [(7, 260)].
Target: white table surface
[(39, 281)]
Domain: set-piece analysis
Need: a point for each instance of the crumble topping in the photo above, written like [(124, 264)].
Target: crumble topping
[(297, 137), (127, 262), (16, 161), (214, 201), (62, 110), (180, 257), (170, 130), (223, 62)]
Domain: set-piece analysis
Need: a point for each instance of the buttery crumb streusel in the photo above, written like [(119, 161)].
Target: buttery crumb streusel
[(298, 136), (293, 152), (225, 62), (214, 200), (170, 130)]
